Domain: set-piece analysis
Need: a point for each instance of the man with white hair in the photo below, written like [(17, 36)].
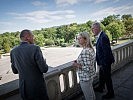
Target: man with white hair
[(104, 58)]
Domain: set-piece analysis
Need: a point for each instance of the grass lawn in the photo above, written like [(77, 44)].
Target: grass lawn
[(122, 41)]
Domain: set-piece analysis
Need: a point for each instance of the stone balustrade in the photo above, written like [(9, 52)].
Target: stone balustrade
[(62, 82), (123, 54)]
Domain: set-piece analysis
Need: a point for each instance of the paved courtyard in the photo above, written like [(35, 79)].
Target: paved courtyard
[(54, 57)]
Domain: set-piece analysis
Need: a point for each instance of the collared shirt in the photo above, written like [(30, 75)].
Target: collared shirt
[(97, 37), (87, 61)]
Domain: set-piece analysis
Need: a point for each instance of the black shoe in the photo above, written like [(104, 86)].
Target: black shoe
[(98, 90), (108, 96)]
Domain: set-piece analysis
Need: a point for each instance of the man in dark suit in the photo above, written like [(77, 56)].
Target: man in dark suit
[(104, 58), (27, 61)]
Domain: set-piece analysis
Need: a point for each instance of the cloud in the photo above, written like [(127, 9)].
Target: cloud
[(100, 1), (6, 26), (125, 9), (66, 2), (116, 1), (6, 23), (38, 3), (44, 16)]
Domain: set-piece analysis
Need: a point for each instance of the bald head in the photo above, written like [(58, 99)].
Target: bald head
[(27, 36), (24, 33)]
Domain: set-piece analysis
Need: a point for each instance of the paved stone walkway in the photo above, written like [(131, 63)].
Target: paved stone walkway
[(122, 82), (54, 56)]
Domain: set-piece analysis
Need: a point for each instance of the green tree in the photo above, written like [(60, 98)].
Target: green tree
[(1, 41), (109, 35), (111, 18), (126, 17), (89, 24), (71, 33), (49, 42), (82, 27), (115, 29), (128, 24), (6, 45), (62, 32), (39, 40), (14, 41)]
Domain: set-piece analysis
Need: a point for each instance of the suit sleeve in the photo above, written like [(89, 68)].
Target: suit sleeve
[(106, 50), (14, 70), (41, 63)]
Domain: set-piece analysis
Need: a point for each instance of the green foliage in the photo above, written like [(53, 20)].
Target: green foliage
[(109, 35), (116, 29), (6, 45), (39, 40), (128, 24), (13, 41), (103, 27), (82, 27), (111, 18), (126, 17), (1, 41), (114, 26), (58, 41), (49, 42), (89, 23)]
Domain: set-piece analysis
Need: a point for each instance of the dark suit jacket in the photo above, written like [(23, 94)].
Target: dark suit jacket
[(28, 62), (104, 54)]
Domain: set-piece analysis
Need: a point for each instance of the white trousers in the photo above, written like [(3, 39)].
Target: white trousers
[(87, 89)]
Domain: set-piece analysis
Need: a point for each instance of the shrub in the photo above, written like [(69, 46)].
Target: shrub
[(6, 47), (64, 45), (49, 42)]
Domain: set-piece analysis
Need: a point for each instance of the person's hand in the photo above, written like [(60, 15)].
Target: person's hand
[(76, 64)]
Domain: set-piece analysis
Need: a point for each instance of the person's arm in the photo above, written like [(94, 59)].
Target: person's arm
[(14, 70), (40, 61), (106, 50)]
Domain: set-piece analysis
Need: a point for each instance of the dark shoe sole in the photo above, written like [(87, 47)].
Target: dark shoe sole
[(108, 96)]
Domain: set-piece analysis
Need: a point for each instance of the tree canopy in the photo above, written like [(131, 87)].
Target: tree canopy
[(115, 26)]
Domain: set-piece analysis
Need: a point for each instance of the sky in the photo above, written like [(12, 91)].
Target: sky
[(16, 15)]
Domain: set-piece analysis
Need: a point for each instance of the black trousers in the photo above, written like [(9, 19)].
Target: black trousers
[(105, 78)]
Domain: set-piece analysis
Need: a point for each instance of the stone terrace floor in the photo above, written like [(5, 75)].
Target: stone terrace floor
[(122, 82)]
